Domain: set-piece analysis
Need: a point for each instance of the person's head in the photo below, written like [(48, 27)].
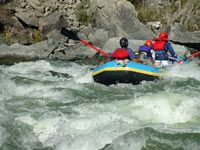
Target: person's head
[(163, 36), (123, 42), (148, 43)]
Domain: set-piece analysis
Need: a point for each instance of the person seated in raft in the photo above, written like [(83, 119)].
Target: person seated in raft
[(162, 47), (146, 52), (124, 53)]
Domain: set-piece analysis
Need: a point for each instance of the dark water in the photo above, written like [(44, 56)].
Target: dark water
[(56, 105)]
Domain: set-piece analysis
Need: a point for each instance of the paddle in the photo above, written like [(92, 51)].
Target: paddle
[(194, 54), (73, 35), (190, 57)]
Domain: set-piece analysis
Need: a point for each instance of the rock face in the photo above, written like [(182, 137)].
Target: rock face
[(117, 17), (37, 16), (52, 22), (120, 18), (188, 14)]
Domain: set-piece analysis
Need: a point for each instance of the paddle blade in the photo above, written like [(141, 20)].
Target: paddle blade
[(70, 34), (194, 54)]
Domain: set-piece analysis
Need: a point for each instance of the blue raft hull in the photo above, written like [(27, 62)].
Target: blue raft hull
[(113, 73)]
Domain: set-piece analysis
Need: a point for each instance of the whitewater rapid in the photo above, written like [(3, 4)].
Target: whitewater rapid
[(67, 110)]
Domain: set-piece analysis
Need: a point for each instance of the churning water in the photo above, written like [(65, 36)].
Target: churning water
[(56, 105)]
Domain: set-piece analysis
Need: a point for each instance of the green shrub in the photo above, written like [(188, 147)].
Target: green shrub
[(37, 36), (82, 14), (174, 7), (136, 2), (192, 26), (146, 14), (183, 2)]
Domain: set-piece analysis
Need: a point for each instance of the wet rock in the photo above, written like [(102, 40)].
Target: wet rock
[(35, 51)]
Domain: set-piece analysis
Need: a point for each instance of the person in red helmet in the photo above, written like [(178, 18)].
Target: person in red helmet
[(147, 50), (162, 47)]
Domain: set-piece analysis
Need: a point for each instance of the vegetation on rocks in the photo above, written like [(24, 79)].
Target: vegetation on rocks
[(183, 2), (147, 13), (170, 12), (83, 13), (37, 36)]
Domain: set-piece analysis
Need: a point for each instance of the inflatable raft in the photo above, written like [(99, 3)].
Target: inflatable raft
[(114, 72)]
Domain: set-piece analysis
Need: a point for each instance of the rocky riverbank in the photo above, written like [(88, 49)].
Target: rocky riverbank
[(30, 29)]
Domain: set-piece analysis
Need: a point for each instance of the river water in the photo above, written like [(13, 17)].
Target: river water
[(55, 105)]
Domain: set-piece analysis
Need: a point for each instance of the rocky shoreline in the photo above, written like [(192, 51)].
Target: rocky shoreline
[(41, 20)]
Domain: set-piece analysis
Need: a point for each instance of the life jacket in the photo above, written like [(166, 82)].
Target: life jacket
[(159, 45), (120, 53), (146, 49)]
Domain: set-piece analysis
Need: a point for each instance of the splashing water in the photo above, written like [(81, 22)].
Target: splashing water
[(57, 105)]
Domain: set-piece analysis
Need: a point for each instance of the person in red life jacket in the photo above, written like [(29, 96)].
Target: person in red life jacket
[(147, 50), (162, 47), (124, 52)]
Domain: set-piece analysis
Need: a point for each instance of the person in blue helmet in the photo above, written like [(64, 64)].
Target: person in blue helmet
[(163, 48)]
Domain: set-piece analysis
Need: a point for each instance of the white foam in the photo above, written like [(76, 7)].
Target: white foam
[(95, 124), (191, 70), (27, 67), (39, 71), (85, 78), (46, 129), (2, 135), (165, 108), (7, 88), (26, 119)]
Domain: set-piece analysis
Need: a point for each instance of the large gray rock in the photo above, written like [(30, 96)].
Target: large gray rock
[(36, 51), (56, 37), (29, 18), (99, 38), (120, 17), (179, 35), (184, 37), (52, 22)]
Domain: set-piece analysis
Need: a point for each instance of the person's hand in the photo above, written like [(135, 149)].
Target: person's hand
[(152, 61), (176, 56), (144, 63), (96, 55)]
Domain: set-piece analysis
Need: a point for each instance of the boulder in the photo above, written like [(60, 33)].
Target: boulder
[(99, 38), (56, 37), (35, 51), (120, 17), (181, 36), (52, 22), (28, 18)]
